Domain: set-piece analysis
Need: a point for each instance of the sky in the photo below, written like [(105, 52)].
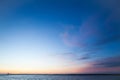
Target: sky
[(59, 36)]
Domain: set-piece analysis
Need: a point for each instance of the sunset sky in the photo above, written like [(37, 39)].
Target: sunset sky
[(59, 36)]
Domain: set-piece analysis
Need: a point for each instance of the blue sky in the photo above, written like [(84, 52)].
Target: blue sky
[(59, 36)]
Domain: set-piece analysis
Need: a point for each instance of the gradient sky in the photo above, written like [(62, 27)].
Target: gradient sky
[(60, 36)]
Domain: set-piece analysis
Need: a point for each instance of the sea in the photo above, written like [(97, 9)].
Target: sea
[(59, 77)]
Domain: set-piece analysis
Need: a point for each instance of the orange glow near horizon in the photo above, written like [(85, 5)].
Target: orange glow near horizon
[(47, 71)]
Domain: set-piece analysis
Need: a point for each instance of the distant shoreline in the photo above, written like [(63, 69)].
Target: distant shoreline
[(63, 74)]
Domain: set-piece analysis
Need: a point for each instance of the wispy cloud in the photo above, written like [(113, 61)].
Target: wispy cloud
[(108, 62), (97, 29), (106, 65), (90, 34), (8, 7)]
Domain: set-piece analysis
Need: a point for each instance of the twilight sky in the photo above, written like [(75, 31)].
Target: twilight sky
[(60, 36)]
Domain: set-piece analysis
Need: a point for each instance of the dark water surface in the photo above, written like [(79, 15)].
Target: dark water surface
[(59, 77)]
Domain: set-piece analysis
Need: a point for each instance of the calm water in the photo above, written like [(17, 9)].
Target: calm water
[(59, 77)]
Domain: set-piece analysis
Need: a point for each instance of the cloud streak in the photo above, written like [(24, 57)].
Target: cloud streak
[(94, 36), (97, 29), (106, 65)]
